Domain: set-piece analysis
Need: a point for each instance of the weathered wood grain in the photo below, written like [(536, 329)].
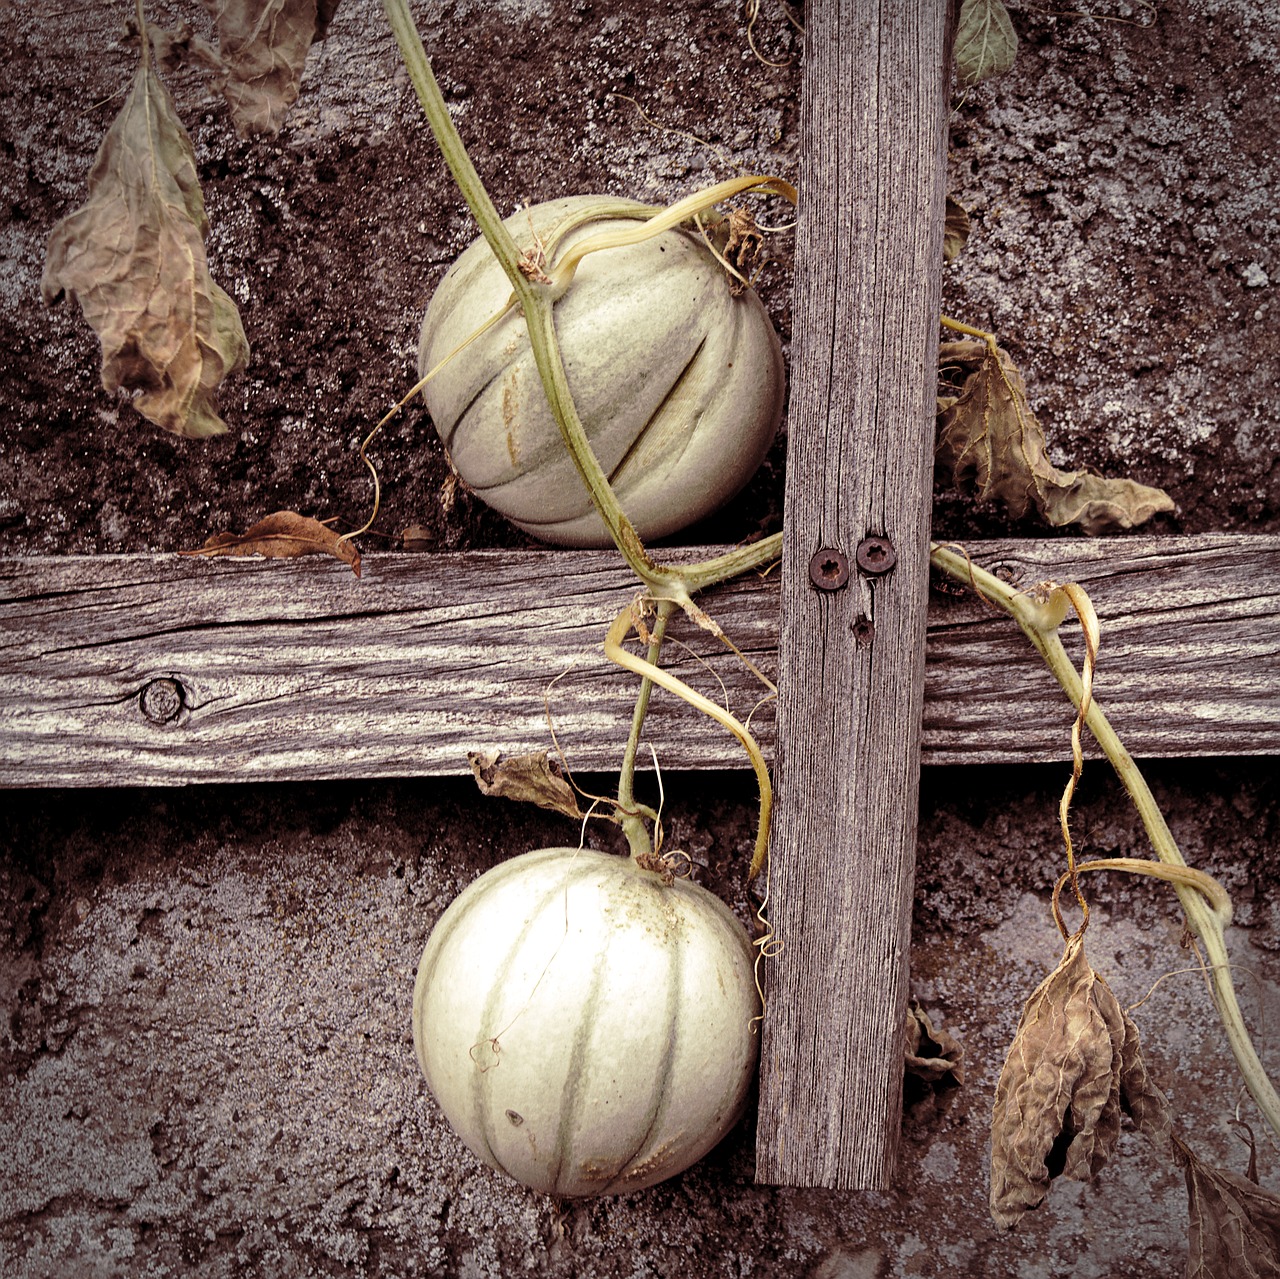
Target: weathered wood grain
[(297, 670), (851, 661)]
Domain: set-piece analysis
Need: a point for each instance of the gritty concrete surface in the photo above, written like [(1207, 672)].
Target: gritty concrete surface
[(206, 1065)]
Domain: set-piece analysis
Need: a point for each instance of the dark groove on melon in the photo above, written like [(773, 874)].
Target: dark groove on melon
[(570, 1097), (681, 378), (480, 1100), (659, 1101)]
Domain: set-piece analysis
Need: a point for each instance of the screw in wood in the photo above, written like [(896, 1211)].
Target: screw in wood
[(875, 555), (829, 569), (162, 700)]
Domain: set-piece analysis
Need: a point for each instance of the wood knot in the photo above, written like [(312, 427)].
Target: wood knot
[(162, 700)]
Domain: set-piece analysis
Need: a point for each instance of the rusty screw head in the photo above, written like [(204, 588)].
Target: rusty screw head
[(829, 569), (875, 555)]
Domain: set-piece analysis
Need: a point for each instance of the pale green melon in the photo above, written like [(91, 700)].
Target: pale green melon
[(678, 382), (586, 1027)]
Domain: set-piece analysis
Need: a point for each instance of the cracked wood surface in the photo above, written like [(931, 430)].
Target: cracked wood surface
[(295, 670), (865, 298)]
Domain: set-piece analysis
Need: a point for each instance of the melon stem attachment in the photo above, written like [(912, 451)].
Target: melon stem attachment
[(536, 301), (630, 817), (615, 652), (1204, 914)]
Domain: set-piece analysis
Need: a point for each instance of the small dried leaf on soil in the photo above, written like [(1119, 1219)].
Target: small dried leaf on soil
[(1235, 1224), (134, 257), (534, 778), (932, 1055), (955, 230), (1057, 1105), (985, 44), (284, 535), (991, 447), (264, 47)]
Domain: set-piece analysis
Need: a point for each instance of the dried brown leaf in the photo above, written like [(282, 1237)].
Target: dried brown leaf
[(955, 230), (449, 490), (1057, 1105), (534, 779), (181, 48), (990, 445), (264, 46), (1235, 1224), (1142, 1099), (134, 257), (1234, 1230), (931, 1055), (284, 535), (934, 1069)]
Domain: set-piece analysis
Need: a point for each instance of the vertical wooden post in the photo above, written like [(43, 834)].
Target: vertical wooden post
[(851, 652)]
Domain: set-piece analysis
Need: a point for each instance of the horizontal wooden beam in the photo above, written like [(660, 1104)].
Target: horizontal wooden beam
[(153, 670)]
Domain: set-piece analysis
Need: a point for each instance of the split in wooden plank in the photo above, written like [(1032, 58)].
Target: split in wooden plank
[(297, 670)]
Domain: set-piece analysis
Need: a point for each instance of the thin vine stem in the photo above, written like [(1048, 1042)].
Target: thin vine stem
[(1040, 622), (630, 815), (1216, 897), (536, 299), (614, 650)]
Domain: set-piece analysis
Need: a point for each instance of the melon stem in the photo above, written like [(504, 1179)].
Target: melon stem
[(630, 815), (536, 300), (1205, 917)]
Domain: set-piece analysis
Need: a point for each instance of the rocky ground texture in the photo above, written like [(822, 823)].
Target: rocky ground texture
[(206, 1065)]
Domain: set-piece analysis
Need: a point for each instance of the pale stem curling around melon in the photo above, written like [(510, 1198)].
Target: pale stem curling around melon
[(678, 380)]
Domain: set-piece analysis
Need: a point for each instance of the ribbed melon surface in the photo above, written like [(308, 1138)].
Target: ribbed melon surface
[(678, 382), (585, 1027)]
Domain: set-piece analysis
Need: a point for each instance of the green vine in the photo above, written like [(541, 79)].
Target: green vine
[(535, 291), (1206, 917)]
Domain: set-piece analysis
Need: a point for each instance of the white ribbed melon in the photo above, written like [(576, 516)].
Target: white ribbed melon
[(678, 382), (585, 1027)]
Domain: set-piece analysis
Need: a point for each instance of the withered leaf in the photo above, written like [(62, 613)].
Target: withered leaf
[(991, 446), (1234, 1228), (1142, 1099), (955, 230), (264, 46), (985, 41), (1057, 1105), (284, 535), (182, 47), (931, 1055), (934, 1069), (1235, 1224), (534, 778), (134, 257)]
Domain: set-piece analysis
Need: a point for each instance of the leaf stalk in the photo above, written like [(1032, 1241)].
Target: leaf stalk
[(1204, 916)]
